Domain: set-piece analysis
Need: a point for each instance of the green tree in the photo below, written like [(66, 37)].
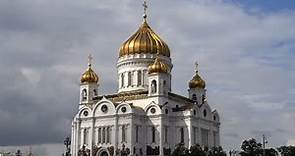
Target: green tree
[(287, 150), (197, 150), (251, 148), (271, 152), (180, 150), (216, 151)]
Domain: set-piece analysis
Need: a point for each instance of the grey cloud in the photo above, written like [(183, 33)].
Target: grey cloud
[(246, 60)]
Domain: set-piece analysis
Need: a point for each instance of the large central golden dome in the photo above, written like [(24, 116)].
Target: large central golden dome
[(144, 41)]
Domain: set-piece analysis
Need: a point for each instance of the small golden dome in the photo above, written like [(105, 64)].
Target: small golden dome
[(144, 41), (158, 67), (197, 81), (89, 76)]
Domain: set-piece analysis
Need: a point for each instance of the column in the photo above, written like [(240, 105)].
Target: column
[(161, 136), (210, 138), (190, 130), (73, 138), (91, 136), (131, 136), (115, 134), (77, 141), (199, 135)]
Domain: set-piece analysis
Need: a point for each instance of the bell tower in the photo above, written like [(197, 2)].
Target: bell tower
[(159, 78), (88, 84), (197, 85)]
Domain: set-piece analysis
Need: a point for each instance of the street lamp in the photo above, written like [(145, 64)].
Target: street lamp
[(67, 143)]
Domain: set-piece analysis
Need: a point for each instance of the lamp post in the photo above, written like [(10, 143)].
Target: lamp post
[(264, 142), (18, 153), (67, 143)]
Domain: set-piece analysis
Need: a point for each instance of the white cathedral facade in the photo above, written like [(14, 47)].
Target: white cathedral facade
[(144, 117)]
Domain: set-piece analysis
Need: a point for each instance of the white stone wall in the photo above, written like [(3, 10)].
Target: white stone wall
[(146, 114)]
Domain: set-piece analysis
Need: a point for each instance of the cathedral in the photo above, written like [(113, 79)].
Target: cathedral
[(144, 117)]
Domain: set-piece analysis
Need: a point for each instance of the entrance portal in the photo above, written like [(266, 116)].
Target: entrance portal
[(104, 153)]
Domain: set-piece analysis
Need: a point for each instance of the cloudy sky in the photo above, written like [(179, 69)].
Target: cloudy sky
[(245, 49)]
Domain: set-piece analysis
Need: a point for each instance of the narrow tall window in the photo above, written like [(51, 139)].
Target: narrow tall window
[(123, 133), (84, 94), (153, 134), (99, 135), (136, 133), (181, 135), (103, 135), (194, 97), (108, 135), (154, 86), (94, 92), (166, 134), (139, 75), (203, 99), (129, 79), (85, 132), (122, 80)]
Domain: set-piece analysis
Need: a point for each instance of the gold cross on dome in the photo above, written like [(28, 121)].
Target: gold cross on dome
[(196, 66), (145, 6), (90, 60)]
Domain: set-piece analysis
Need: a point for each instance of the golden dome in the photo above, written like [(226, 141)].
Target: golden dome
[(197, 81), (158, 67), (89, 76), (144, 41)]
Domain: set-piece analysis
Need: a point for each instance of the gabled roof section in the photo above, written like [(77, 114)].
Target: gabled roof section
[(125, 96)]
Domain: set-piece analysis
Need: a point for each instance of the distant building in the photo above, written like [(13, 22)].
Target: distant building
[(145, 117), (5, 154)]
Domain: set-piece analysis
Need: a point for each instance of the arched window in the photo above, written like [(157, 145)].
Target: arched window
[(108, 135), (84, 94), (154, 86), (122, 80), (94, 92), (103, 135), (123, 133), (205, 112), (153, 134), (194, 97), (85, 132), (99, 135), (129, 79), (166, 134), (214, 118), (139, 79), (166, 111), (203, 99), (181, 135)]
